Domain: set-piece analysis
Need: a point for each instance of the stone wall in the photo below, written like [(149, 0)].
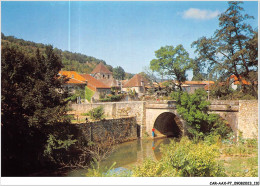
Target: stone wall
[(248, 118), (117, 130), (118, 110), (242, 115)]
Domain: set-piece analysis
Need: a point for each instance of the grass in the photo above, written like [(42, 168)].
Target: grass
[(88, 94), (240, 159), (241, 166)]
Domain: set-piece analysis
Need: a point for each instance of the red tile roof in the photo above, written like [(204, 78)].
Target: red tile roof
[(74, 77), (198, 82), (101, 68), (237, 82), (109, 82), (93, 83), (135, 81), (74, 81)]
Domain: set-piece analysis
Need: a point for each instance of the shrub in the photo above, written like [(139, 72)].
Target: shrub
[(194, 110), (190, 159), (110, 98), (97, 113), (151, 168), (183, 159)]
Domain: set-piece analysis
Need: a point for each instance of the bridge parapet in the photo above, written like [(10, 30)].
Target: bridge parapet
[(224, 105), (161, 105)]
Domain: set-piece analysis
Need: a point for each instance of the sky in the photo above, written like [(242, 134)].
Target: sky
[(121, 33)]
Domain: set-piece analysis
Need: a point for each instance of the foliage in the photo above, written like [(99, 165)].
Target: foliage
[(119, 73), (223, 91), (174, 61), (198, 75), (232, 49), (54, 145), (151, 168), (88, 94), (243, 161), (85, 114), (71, 61), (110, 98), (132, 93), (147, 77), (129, 75), (169, 87), (97, 113), (183, 159), (33, 103), (79, 92), (194, 110)]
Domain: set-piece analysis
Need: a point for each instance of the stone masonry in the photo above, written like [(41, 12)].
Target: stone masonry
[(241, 115)]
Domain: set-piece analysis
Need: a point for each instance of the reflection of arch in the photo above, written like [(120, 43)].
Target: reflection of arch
[(168, 124)]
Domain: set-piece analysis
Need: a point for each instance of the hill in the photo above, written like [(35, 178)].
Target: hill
[(72, 61)]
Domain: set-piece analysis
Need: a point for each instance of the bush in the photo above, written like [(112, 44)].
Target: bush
[(184, 159), (192, 159), (110, 98), (97, 113), (151, 168), (194, 110)]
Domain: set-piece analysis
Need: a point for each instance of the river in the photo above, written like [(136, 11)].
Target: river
[(129, 154)]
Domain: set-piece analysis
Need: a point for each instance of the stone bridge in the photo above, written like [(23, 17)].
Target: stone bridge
[(241, 115)]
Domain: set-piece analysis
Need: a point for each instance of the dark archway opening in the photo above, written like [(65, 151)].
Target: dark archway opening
[(165, 125)]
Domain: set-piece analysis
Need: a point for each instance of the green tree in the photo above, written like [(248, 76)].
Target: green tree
[(198, 75), (32, 103), (174, 61), (233, 47), (118, 73), (194, 110)]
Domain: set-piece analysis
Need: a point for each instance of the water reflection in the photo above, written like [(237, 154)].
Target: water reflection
[(130, 154)]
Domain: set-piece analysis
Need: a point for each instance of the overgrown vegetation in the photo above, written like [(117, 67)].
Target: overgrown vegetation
[(33, 107), (223, 91), (71, 61), (111, 98), (203, 159), (97, 113), (88, 94), (79, 92), (183, 159), (194, 110)]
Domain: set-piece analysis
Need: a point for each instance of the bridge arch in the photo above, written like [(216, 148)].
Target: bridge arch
[(165, 121), (167, 124)]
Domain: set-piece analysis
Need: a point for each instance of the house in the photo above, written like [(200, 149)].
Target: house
[(74, 80), (191, 86), (97, 86), (235, 83), (136, 83), (102, 74)]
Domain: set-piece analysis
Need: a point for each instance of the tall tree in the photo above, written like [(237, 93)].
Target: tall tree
[(174, 61), (233, 47), (31, 103), (198, 75), (119, 73)]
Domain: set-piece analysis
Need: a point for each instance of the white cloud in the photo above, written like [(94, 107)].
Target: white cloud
[(194, 13)]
